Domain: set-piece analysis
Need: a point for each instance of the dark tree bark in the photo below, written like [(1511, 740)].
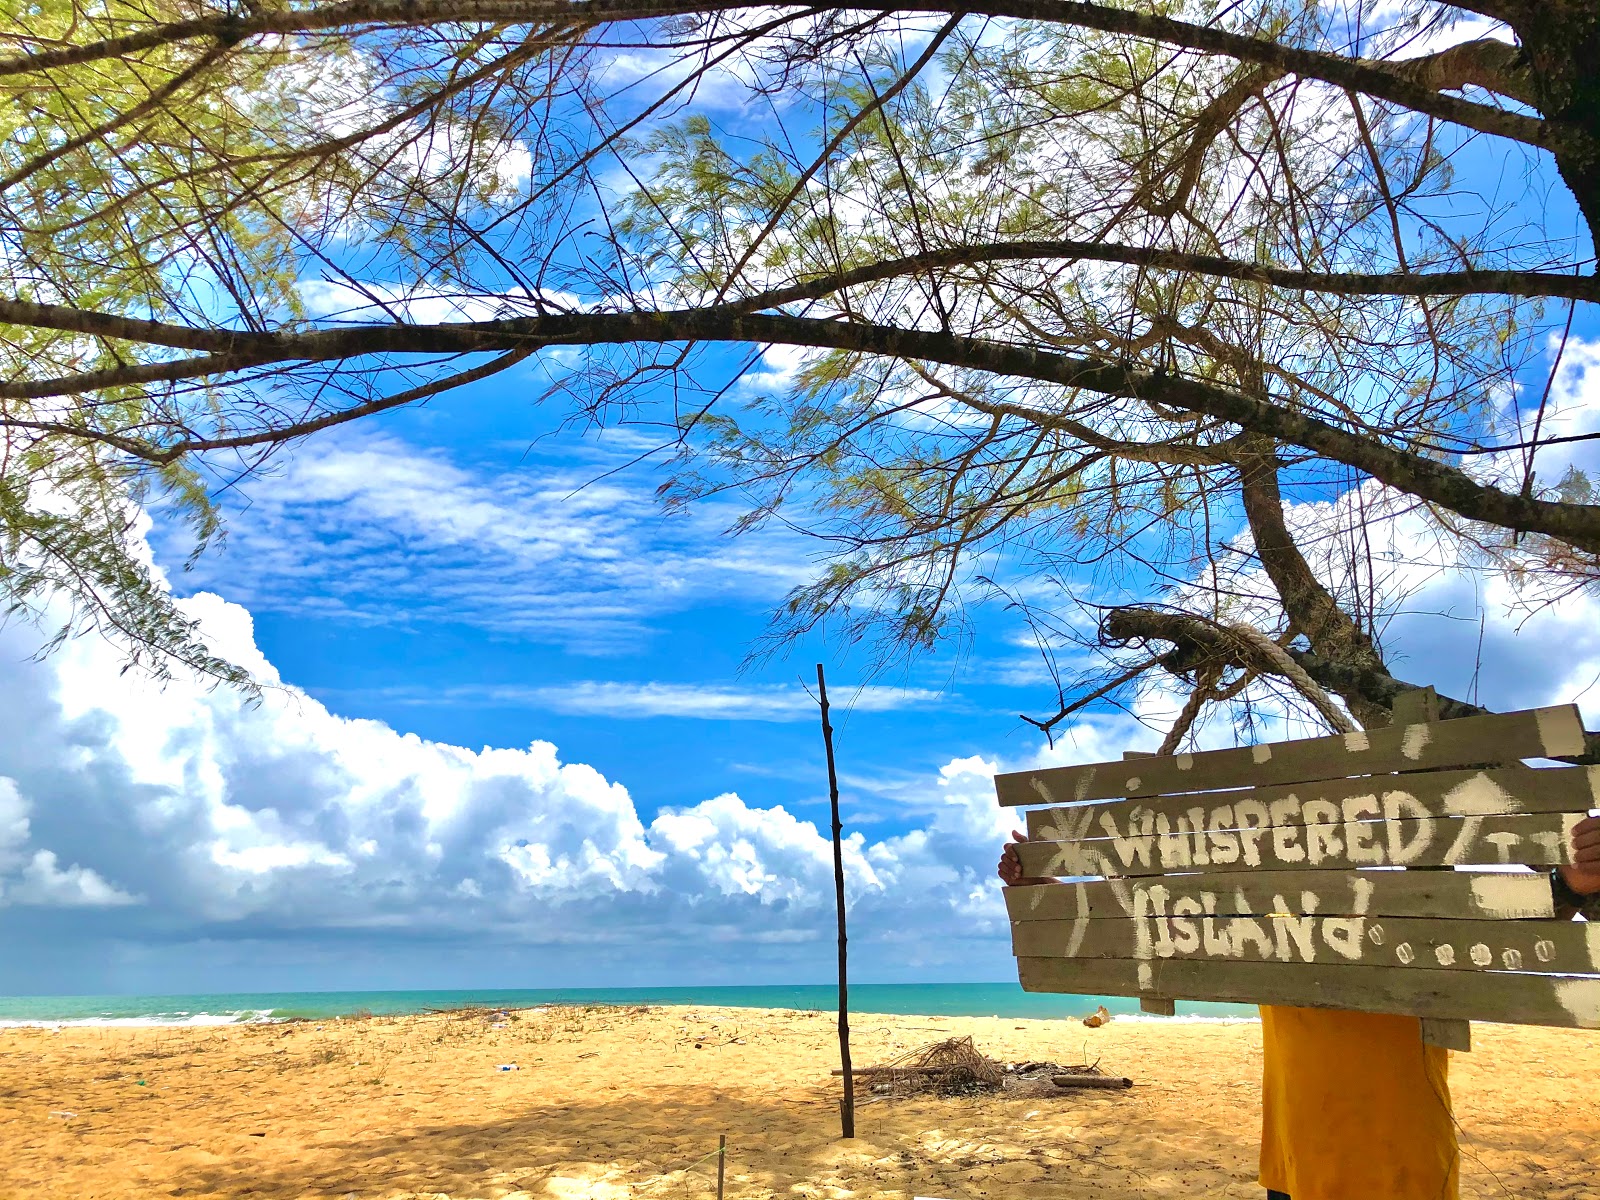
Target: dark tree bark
[(847, 1102)]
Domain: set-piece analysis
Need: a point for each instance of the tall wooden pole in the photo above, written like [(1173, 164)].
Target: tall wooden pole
[(847, 1105)]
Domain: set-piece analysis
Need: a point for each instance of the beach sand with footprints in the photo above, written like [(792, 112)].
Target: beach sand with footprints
[(606, 1104)]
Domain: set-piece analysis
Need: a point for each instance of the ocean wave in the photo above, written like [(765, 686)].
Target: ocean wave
[(251, 1016)]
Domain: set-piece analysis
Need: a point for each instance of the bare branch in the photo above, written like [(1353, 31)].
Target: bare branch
[(1373, 78)]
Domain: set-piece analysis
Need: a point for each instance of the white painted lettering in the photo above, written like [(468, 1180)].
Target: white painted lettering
[(1253, 821), (1150, 913), (1361, 890), (1285, 835), (1133, 849), (1319, 812), (1550, 842), (1197, 818), (1173, 846), (1185, 934), (1224, 841), (1405, 954), (1247, 929), (1215, 943), (1293, 933), (1322, 831), (1400, 806), (1344, 936), (1462, 846), (1446, 954), (1480, 954), (1360, 830), (1503, 842), (1416, 741)]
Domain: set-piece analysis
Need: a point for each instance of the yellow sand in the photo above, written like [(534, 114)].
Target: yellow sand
[(619, 1103)]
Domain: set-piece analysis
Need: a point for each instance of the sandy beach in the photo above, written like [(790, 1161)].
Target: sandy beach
[(613, 1103)]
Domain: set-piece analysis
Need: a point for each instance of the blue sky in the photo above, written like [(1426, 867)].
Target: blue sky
[(508, 742), (509, 739)]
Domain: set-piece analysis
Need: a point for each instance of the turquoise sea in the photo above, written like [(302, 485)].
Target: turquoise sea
[(919, 999)]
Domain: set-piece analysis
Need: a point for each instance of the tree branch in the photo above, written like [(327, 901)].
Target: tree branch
[(1198, 641), (1371, 77), (1488, 63), (1308, 604), (1428, 479), (1394, 283)]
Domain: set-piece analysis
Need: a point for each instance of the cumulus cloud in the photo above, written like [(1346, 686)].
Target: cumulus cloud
[(186, 816), (35, 876), (181, 825)]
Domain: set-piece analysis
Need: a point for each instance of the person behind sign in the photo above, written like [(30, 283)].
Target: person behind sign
[(1356, 1104)]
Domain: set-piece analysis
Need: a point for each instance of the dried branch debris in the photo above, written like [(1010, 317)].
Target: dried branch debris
[(956, 1067)]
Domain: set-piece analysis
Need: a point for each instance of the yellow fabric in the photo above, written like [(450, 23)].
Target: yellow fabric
[(1354, 1106)]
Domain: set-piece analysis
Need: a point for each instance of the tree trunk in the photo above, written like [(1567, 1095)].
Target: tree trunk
[(1311, 608)]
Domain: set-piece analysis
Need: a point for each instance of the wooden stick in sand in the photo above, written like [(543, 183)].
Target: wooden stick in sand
[(1091, 1081), (847, 1105), (722, 1162)]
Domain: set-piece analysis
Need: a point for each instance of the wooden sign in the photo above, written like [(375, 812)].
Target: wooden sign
[(1355, 872)]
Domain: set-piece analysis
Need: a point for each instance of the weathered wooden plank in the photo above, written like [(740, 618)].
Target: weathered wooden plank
[(1452, 894), (1447, 1032), (1503, 792), (1551, 947), (1496, 738), (1541, 839), (1483, 996)]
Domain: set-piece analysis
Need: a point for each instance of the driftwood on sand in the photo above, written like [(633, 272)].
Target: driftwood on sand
[(955, 1067)]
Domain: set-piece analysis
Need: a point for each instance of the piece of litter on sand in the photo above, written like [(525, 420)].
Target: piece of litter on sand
[(589, 1054), (507, 1067), (62, 1113)]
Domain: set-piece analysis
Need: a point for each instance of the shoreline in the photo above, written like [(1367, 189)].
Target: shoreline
[(1002, 1000), (224, 1021), (628, 1104)]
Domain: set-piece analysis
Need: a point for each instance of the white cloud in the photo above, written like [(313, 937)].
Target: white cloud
[(36, 877), (624, 701), (348, 301), (285, 821), (366, 527)]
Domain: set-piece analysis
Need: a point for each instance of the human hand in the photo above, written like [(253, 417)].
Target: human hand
[(1010, 865), (1582, 875)]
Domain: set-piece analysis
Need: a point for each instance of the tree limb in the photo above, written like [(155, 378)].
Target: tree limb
[(1307, 603), (1392, 283), (1197, 640), (1428, 479), (1374, 78), (1488, 63)]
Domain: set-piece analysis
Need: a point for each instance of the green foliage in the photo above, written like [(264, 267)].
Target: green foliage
[(936, 484), (197, 181)]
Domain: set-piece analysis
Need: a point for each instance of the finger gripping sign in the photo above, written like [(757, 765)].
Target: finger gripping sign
[(1376, 871)]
